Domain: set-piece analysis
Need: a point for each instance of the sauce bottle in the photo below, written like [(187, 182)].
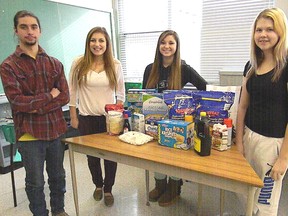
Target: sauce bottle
[(228, 123), (202, 136), (126, 125)]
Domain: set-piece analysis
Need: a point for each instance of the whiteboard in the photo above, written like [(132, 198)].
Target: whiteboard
[(64, 28)]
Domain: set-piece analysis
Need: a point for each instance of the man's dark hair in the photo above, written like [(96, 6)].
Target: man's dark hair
[(24, 13)]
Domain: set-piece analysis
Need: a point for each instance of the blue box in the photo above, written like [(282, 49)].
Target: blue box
[(175, 133)]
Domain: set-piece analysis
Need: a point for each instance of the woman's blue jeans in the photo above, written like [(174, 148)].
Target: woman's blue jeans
[(34, 154)]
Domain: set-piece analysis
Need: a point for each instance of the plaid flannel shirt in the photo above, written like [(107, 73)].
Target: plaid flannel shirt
[(27, 84)]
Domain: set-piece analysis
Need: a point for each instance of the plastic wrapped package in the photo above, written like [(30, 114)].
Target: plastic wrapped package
[(135, 138)]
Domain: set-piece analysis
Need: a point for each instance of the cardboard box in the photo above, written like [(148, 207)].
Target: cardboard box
[(138, 122), (154, 106), (175, 133), (134, 101), (154, 110), (135, 107), (135, 95), (151, 128)]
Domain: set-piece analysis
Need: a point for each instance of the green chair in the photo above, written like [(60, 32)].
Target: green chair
[(9, 134)]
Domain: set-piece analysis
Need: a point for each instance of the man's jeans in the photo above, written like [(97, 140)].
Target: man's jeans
[(34, 154)]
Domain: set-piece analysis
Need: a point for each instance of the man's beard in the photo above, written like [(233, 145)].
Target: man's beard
[(32, 43)]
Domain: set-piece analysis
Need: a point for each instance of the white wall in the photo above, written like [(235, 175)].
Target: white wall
[(104, 5), (283, 4)]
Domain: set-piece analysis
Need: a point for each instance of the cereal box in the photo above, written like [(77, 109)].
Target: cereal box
[(175, 133)]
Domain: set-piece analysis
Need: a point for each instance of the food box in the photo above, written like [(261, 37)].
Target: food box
[(154, 106), (132, 85), (175, 133), (134, 107), (134, 101), (138, 122), (151, 128), (154, 110), (135, 95)]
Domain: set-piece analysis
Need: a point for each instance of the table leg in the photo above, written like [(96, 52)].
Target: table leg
[(73, 176), (147, 187), (250, 201), (12, 174), (222, 198), (200, 189)]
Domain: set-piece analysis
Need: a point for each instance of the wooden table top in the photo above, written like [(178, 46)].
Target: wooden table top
[(228, 164)]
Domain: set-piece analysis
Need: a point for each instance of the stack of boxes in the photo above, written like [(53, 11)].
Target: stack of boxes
[(161, 115), (148, 108)]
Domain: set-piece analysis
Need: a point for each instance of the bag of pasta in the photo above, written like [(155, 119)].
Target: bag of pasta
[(114, 118)]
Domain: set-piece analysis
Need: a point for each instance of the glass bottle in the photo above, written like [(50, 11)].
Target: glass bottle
[(126, 125)]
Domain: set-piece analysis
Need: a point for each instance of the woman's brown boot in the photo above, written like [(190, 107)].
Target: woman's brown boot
[(172, 192), (160, 187)]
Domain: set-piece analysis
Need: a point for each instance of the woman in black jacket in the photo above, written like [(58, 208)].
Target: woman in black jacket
[(168, 71)]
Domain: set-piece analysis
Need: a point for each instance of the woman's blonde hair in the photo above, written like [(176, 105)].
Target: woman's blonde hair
[(280, 50), (175, 78), (85, 62)]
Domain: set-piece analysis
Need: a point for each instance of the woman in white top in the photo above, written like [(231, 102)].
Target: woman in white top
[(96, 79)]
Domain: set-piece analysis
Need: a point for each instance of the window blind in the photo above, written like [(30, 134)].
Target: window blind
[(214, 34), (225, 35), (140, 24)]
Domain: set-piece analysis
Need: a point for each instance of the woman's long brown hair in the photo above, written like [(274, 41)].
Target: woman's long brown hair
[(84, 64), (175, 77)]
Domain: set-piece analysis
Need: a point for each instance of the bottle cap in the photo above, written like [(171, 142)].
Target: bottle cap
[(203, 114), (188, 118), (228, 122)]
